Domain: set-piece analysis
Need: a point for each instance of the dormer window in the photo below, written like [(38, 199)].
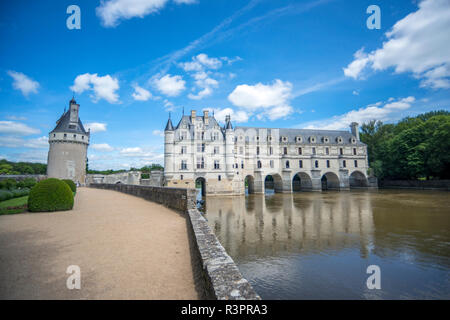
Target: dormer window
[(284, 139), (353, 140), (298, 139), (326, 139), (257, 138), (339, 140), (269, 138), (312, 139)]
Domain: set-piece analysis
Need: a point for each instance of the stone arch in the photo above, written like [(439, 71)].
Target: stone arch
[(301, 181), (249, 184), (358, 180), (273, 181), (201, 182), (330, 181)]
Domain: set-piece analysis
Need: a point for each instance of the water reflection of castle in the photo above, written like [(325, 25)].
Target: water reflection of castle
[(282, 223)]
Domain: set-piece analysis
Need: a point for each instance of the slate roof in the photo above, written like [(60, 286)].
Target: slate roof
[(187, 120), (169, 125), (291, 134), (62, 125)]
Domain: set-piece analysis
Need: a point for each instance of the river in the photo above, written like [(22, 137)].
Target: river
[(312, 245)]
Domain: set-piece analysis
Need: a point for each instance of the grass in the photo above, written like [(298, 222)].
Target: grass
[(16, 205)]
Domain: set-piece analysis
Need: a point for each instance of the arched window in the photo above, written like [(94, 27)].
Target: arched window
[(259, 164)]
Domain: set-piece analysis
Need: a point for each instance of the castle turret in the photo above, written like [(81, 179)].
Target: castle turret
[(169, 139), (229, 147), (68, 147)]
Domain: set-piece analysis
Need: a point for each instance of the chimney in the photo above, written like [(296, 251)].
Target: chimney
[(205, 116), (193, 115), (354, 126)]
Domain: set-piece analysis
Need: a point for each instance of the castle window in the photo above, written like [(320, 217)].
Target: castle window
[(312, 139), (285, 150), (74, 135), (200, 163), (183, 135), (54, 135), (271, 163), (257, 138), (339, 139), (203, 136), (326, 139), (313, 150), (216, 136), (183, 149), (183, 165), (341, 151), (344, 164), (201, 147), (356, 163), (300, 163), (181, 177), (270, 150), (259, 164), (328, 163), (216, 164), (287, 164), (316, 163), (298, 139), (65, 135), (257, 150), (216, 150), (284, 139), (72, 126), (242, 164), (299, 150), (327, 150), (269, 138), (220, 178), (241, 150), (82, 137), (354, 151)]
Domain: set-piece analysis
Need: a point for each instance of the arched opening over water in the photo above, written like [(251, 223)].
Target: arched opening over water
[(249, 182), (358, 180), (200, 185), (330, 181), (301, 182), (273, 183)]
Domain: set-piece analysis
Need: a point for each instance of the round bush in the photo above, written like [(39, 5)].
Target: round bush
[(71, 184), (5, 195), (50, 195)]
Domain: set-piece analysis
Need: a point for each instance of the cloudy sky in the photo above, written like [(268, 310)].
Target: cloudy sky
[(300, 64)]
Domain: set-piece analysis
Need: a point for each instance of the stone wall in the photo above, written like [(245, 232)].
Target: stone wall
[(416, 184), (174, 198), (222, 279)]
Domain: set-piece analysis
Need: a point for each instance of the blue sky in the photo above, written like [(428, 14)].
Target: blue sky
[(267, 63)]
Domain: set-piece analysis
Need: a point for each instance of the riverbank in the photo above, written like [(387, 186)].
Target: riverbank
[(415, 184), (126, 248)]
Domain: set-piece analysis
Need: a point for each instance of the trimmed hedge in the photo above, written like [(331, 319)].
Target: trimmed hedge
[(5, 195), (14, 193), (50, 195), (71, 184)]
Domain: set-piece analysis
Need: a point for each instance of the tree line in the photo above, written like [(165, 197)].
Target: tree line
[(414, 148), (9, 167)]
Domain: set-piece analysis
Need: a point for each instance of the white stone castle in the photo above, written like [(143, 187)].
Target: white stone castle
[(224, 160), (68, 147)]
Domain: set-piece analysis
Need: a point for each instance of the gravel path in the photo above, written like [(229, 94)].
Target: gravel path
[(126, 248)]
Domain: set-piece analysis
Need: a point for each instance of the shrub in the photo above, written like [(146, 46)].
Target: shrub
[(71, 184), (50, 195), (26, 183), (20, 192), (8, 184), (5, 195)]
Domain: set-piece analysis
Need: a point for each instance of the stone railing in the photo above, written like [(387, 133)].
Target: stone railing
[(222, 279), (20, 177), (174, 198)]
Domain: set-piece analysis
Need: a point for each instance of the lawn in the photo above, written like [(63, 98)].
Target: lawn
[(16, 205)]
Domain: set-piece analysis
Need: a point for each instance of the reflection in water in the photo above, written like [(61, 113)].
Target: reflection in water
[(318, 245)]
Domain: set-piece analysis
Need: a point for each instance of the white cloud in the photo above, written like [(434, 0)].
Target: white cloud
[(132, 151), (141, 94), (103, 87), (158, 133), (16, 128), (102, 147), (169, 85), (417, 43), (95, 126), (201, 61), (384, 111), (271, 100), (17, 142), (236, 116), (18, 118), (204, 82), (355, 93), (113, 11), (23, 83)]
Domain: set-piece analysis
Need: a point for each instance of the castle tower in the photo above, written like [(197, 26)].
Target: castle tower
[(229, 147), (68, 147), (169, 138)]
